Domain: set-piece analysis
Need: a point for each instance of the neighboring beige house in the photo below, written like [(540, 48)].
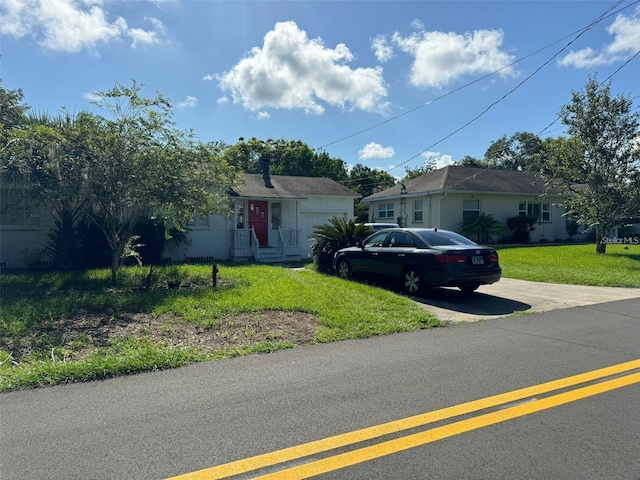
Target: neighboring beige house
[(272, 220), (445, 197)]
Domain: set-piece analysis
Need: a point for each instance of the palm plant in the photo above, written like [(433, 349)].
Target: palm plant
[(483, 228), (329, 238)]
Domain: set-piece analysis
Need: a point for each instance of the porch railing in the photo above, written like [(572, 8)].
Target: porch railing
[(244, 243), (241, 238), (255, 244), (290, 237)]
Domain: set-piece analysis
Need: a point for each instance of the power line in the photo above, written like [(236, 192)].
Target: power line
[(581, 32), (600, 85), (544, 64), (479, 79)]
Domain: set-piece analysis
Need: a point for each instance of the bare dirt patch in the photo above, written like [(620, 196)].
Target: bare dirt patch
[(82, 333)]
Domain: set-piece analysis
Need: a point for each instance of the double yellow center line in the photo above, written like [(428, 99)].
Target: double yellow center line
[(396, 445)]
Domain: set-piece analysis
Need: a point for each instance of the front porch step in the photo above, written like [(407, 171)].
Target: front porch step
[(269, 255)]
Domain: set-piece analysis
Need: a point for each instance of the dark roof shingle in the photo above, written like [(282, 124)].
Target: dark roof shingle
[(454, 178), (289, 187)]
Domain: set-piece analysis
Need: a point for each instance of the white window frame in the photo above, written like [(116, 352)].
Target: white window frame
[(199, 221), (386, 210), (276, 220), (418, 211), (466, 208), (528, 208), (18, 210)]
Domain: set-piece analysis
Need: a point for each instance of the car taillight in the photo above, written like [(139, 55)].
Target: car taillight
[(493, 257), (451, 258)]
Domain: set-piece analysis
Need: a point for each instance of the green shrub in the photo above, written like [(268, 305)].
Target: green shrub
[(521, 226)]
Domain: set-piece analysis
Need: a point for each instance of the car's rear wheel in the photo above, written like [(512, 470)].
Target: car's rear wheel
[(469, 288), (343, 269), (412, 281)]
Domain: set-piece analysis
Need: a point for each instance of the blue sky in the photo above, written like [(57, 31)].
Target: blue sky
[(389, 84)]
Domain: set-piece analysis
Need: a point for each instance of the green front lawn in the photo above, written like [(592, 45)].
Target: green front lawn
[(59, 327), (573, 264)]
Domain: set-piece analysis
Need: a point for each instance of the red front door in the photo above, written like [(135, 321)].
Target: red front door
[(259, 220)]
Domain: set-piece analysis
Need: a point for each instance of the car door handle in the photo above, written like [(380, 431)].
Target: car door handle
[(374, 254), (401, 254)]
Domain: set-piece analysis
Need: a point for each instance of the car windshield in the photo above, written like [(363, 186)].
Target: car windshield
[(441, 238)]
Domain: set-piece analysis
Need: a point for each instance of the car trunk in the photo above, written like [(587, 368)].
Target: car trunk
[(467, 265)]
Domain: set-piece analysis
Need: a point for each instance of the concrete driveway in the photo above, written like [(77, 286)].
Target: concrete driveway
[(509, 296)]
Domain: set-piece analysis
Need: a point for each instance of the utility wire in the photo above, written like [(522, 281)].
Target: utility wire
[(600, 85), (586, 29), (544, 130), (603, 17), (581, 32)]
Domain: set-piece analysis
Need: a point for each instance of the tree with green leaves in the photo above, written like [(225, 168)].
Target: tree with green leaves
[(42, 162), (520, 151), (143, 167), (331, 167), (285, 157), (598, 168), (367, 181), (410, 173), (12, 110), (132, 166), (469, 161)]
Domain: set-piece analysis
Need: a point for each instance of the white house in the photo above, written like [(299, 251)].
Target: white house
[(444, 198), (272, 220)]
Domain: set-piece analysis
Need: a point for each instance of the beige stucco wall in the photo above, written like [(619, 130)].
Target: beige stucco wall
[(445, 211)]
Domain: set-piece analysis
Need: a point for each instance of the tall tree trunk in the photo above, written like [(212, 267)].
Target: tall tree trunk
[(601, 244), (115, 265)]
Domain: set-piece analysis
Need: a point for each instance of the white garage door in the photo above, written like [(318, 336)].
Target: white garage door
[(308, 220)]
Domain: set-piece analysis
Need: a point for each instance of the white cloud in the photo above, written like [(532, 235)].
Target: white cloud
[(208, 78), (626, 41), (70, 25), (442, 58), (91, 97), (223, 100), (142, 37), (292, 72), (381, 48), (439, 160), (190, 102), (147, 37), (375, 150), (416, 24), (263, 115)]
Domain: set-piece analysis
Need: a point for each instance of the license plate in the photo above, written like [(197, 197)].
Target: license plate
[(477, 260)]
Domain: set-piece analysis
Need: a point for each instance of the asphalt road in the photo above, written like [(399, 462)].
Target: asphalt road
[(163, 424)]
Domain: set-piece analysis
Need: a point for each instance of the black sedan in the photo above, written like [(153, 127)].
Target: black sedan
[(419, 258)]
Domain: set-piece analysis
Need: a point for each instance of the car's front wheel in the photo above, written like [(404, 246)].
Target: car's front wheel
[(343, 269), (412, 282)]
